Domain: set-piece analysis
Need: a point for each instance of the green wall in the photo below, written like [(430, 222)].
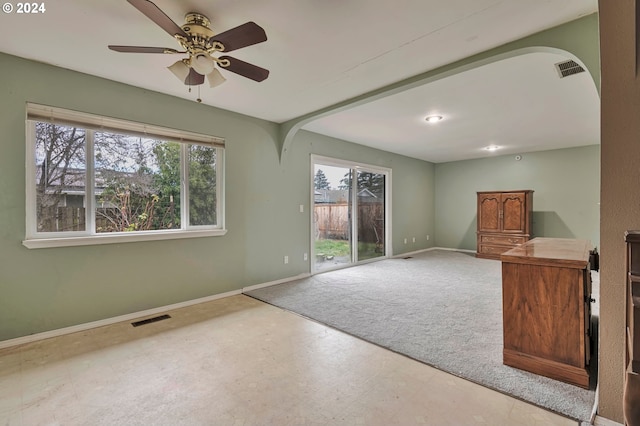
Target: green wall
[(46, 289), (566, 201)]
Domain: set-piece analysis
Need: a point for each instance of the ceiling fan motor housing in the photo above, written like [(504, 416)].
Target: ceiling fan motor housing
[(197, 26)]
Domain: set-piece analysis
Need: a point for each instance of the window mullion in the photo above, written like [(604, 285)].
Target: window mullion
[(90, 197), (184, 186), (220, 195), (354, 213)]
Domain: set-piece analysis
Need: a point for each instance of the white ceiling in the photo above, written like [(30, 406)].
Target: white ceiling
[(519, 104), (322, 52)]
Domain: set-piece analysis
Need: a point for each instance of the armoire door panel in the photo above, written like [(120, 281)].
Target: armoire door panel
[(489, 213), (513, 216)]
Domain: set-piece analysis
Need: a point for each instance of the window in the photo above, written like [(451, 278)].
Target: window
[(94, 180)]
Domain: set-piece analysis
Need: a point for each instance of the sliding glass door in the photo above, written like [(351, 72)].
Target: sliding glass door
[(332, 213), (349, 213), (370, 199)]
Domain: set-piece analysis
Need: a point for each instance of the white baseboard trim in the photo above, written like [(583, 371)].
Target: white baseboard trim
[(270, 283), (136, 315), (410, 253), (108, 321), (453, 249), (603, 421)]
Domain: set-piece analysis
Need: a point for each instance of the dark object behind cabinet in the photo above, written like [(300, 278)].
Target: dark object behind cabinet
[(504, 221), (631, 400)]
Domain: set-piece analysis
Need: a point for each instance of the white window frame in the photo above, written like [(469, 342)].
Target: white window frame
[(90, 122)]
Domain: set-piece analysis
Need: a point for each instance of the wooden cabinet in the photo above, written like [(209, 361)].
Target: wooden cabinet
[(631, 400), (504, 221), (546, 297)]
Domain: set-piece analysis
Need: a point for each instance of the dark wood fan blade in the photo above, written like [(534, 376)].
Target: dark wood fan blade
[(154, 13), (142, 49), (241, 36), (245, 69), (194, 79)]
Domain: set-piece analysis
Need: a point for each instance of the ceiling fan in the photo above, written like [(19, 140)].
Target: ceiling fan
[(201, 43)]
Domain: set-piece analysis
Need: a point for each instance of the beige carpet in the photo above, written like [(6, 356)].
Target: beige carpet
[(440, 307)]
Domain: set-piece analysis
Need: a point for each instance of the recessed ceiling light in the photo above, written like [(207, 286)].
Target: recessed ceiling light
[(433, 118), (492, 148)]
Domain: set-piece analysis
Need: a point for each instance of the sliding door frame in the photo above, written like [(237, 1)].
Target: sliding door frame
[(355, 167)]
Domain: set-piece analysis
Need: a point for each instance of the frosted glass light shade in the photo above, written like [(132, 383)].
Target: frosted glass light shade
[(202, 63), (215, 78), (180, 70)]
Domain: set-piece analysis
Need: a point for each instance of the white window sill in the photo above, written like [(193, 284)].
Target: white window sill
[(122, 237)]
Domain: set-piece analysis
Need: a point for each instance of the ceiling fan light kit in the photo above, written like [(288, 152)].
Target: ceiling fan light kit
[(215, 78), (202, 63), (180, 69), (201, 44)]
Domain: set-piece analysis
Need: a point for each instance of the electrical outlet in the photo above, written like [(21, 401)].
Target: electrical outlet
[(305, 256), (301, 208), (414, 239), (427, 238), (286, 259), (405, 241)]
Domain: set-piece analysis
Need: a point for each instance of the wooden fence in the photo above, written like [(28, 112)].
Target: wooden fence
[(332, 221), (61, 219), (66, 219)]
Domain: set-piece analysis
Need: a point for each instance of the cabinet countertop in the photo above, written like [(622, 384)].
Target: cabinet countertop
[(563, 252)]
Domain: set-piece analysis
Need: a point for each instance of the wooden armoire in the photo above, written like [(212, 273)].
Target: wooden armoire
[(504, 221)]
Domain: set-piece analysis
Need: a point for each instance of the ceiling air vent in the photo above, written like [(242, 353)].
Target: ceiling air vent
[(568, 68)]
